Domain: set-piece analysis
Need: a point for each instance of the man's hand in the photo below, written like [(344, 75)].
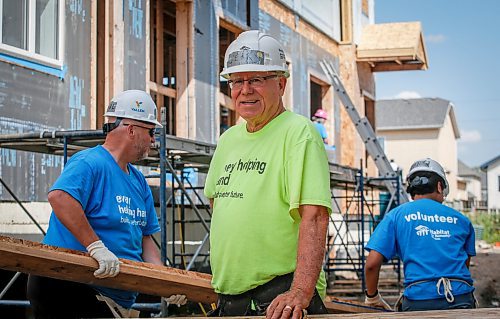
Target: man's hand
[(179, 300), (288, 305), (109, 265), (377, 301)]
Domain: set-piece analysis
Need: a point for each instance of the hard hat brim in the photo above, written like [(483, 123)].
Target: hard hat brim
[(253, 68)]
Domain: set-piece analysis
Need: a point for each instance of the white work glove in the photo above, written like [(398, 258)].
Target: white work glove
[(179, 300), (109, 265), (377, 301)]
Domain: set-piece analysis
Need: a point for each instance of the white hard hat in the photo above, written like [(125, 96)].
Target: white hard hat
[(133, 104), (254, 51), (429, 165)]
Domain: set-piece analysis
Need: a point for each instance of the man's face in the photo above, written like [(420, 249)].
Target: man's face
[(143, 140), (257, 101)]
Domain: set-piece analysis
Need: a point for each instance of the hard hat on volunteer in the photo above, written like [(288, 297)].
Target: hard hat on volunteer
[(131, 104), (254, 51), (321, 114), (428, 165)]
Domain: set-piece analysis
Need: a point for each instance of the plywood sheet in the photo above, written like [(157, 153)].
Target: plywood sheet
[(398, 42)]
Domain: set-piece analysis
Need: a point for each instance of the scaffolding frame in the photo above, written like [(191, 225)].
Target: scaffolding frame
[(173, 155)]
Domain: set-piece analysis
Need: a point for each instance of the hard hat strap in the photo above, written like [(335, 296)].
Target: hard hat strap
[(108, 127)]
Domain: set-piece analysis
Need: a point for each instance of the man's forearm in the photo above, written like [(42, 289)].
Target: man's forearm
[(372, 270), (311, 248), (150, 252)]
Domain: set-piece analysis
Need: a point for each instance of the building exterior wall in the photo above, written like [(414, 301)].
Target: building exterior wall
[(35, 97), (33, 100), (448, 155), (493, 180), (474, 188), (407, 146)]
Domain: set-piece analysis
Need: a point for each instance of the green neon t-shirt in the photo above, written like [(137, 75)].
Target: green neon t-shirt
[(257, 181)]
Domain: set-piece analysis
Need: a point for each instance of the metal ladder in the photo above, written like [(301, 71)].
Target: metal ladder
[(367, 134)]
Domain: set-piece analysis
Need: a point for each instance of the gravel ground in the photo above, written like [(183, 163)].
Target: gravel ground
[(485, 270)]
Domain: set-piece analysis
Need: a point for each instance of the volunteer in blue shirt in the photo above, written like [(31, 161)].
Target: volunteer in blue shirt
[(435, 243), (103, 205)]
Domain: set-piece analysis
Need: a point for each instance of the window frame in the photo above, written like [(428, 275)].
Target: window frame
[(29, 54)]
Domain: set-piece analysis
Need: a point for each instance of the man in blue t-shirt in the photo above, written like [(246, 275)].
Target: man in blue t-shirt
[(103, 205), (435, 243)]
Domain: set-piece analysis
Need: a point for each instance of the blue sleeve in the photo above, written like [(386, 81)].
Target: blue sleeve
[(76, 179), (383, 239), (470, 242)]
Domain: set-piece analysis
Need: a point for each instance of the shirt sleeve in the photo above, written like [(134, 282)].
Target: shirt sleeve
[(470, 246), (209, 189), (307, 177), (383, 239), (77, 180)]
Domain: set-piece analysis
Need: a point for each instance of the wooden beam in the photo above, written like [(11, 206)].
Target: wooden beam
[(226, 101), (93, 66), (34, 258), (159, 52), (336, 305), (483, 313), (162, 89), (43, 260), (185, 103), (387, 66), (346, 21)]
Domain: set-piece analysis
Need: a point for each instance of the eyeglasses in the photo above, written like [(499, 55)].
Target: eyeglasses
[(255, 82), (151, 131)]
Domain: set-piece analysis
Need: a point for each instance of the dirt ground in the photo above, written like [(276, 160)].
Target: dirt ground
[(485, 270)]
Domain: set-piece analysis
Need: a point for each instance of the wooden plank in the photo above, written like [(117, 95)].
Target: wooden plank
[(43, 260), (163, 90), (482, 313), (38, 259), (337, 305)]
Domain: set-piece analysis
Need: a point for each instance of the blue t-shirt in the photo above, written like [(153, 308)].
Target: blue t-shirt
[(321, 129), (432, 240), (119, 207)]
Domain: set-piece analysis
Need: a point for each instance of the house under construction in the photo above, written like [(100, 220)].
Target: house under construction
[(62, 61)]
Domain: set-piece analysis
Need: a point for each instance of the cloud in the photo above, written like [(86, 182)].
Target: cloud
[(408, 95), (471, 136), (435, 38)]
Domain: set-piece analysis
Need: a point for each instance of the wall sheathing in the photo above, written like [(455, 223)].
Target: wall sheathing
[(206, 54), (32, 100), (134, 44)]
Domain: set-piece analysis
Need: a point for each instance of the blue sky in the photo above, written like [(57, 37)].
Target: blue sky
[(462, 39)]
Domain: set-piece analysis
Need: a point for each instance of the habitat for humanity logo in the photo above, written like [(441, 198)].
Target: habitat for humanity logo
[(435, 234), (138, 107)]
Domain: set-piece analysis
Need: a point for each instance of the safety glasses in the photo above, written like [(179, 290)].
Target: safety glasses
[(151, 131), (255, 82)]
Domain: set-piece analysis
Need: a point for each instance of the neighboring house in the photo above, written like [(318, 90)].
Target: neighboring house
[(470, 195), (417, 128), (492, 169)]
